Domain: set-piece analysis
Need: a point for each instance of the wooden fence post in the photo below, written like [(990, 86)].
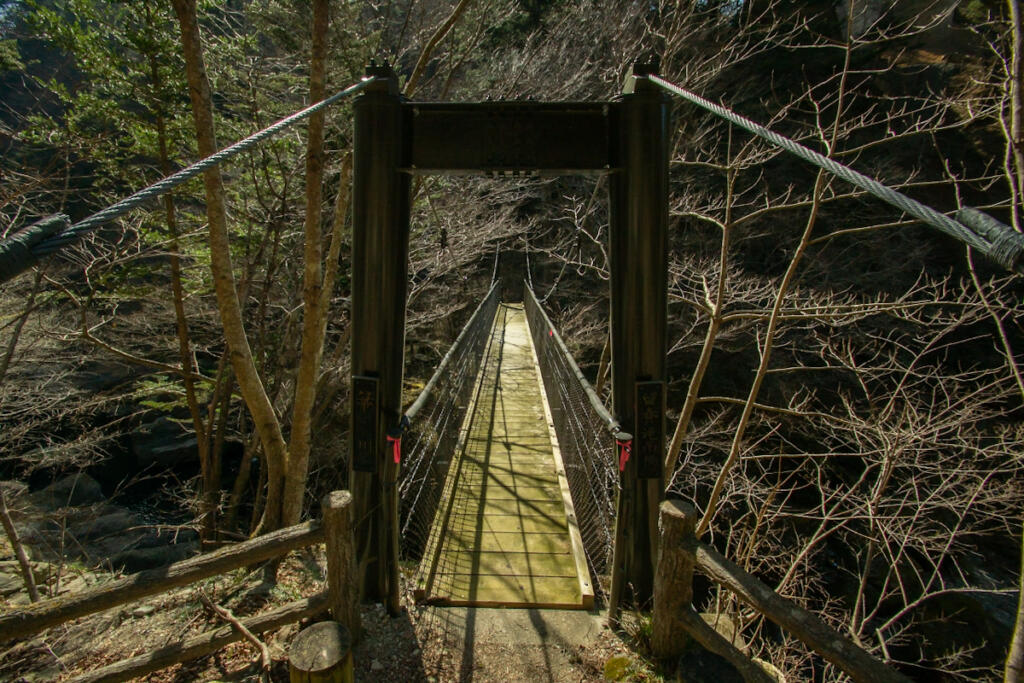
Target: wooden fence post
[(673, 578), (342, 581)]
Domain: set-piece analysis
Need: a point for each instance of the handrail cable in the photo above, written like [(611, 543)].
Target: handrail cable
[(610, 422), (998, 241), (427, 436), (410, 415), (588, 438), (494, 273), (19, 252)]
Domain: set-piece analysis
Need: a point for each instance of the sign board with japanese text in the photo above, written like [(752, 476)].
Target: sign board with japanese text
[(364, 423)]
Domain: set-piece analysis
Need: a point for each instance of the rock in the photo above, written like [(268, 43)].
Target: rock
[(143, 611), (697, 664), (21, 599), (139, 559), (75, 585), (261, 590), (13, 491), (771, 670), (287, 632), (154, 538), (11, 584), (47, 675), (105, 525), (726, 627), (74, 490), (376, 666), (40, 570), (163, 443), (94, 376)]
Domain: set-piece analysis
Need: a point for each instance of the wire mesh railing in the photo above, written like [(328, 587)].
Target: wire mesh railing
[(586, 437), (430, 428)]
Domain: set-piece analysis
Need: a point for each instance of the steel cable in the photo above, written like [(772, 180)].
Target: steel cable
[(42, 244), (995, 249)]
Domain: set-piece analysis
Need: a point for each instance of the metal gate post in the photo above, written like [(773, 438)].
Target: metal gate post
[(380, 249), (638, 199)]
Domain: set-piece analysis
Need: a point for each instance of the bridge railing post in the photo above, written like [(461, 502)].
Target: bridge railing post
[(638, 202)]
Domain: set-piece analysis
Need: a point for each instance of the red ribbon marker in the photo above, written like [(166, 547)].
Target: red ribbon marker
[(551, 333), (625, 449), (397, 447)]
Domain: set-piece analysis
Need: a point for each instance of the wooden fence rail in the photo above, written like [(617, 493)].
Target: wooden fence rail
[(681, 552), (31, 619), (204, 643), (340, 598)]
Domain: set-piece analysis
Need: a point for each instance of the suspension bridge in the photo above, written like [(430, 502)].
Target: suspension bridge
[(508, 481)]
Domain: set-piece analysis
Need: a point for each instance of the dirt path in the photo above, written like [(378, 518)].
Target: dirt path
[(447, 644)]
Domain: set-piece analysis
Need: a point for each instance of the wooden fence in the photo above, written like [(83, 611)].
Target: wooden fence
[(681, 553), (339, 599)]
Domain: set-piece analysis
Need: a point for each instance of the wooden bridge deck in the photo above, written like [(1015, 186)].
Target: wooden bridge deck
[(506, 534)]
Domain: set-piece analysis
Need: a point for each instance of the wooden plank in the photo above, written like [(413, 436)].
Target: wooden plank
[(540, 508), (540, 493), (508, 137), (498, 591), (508, 479), (534, 524), (365, 412), (509, 564), (507, 470), (511, 542)]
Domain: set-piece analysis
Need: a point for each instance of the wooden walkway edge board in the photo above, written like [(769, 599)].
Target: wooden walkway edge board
[(580, 557)]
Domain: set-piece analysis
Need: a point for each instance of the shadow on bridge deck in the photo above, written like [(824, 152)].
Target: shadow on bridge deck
[(506, 533)]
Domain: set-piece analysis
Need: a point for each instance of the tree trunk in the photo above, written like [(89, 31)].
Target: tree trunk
[(1015, 660), (1016, 141), (208, 494), (12, 343), (19, 549), (249, 382), (322, 653), (313, 312), (428, 49)]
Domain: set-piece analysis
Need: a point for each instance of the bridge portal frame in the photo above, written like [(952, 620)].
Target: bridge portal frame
[(626, 138)]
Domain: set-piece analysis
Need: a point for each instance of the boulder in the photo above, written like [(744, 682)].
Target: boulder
[(109, 524), (11, 584), (94, 376), (139, 559), (41, 571), (163, 443), (74, 490)]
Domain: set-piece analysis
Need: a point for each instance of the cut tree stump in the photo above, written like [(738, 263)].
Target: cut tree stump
[(321, 653)]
